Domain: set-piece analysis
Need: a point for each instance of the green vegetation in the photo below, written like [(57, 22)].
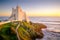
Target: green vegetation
[(26, 31)]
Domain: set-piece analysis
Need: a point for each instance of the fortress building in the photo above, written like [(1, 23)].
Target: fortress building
[(18, 14)]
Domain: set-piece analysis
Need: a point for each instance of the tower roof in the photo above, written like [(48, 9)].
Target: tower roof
[(18, 7)]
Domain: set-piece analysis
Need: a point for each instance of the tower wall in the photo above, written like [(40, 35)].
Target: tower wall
[(18, 14)]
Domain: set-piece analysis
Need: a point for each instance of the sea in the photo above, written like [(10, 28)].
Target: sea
[(52, 32)]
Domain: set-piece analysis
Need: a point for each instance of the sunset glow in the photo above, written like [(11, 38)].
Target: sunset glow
[(31, 7)]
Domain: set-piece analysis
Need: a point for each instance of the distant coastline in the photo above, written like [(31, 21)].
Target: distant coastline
[(39, 18)]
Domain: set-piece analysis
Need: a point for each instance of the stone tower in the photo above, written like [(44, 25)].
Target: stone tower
[(18, 14)]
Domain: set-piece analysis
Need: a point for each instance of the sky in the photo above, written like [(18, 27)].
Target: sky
[(31, 7)]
